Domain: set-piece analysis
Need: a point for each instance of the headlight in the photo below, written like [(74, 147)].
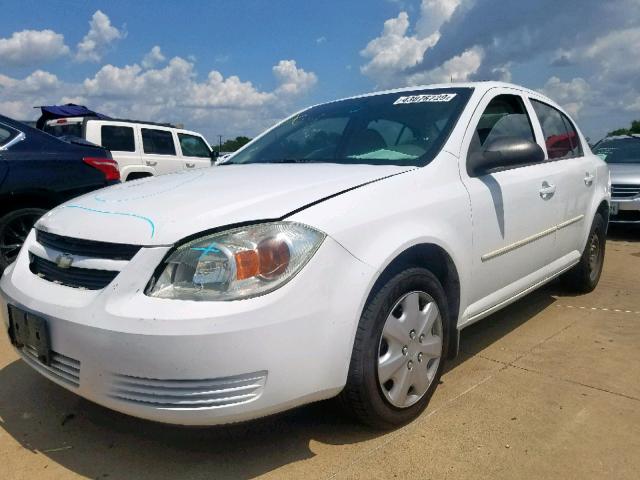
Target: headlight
[(236, 264)]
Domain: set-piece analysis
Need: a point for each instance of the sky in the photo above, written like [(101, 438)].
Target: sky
[(235, 67)]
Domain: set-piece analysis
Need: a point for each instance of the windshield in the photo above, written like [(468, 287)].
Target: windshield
[(406, 128), (61, 129), (622, 150)]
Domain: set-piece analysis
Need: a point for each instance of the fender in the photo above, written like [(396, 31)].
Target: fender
[(376, 230)]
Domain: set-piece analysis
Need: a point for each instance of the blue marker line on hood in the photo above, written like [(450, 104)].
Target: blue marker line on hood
[(124, 214)]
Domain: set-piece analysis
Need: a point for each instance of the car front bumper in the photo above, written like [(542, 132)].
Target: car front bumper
[(625, 210), (197, 363)]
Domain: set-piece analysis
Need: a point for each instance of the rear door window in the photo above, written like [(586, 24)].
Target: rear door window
[(560, 136), (159, 142), (193, 146), (118, 138)]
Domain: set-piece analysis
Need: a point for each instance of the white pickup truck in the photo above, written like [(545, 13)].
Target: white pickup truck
[(141, 149), (340, 253)]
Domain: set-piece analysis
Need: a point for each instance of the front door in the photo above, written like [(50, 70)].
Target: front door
[(513, 210)]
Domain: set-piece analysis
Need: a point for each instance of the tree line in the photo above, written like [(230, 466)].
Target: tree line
[(231, 145), (635, 128)]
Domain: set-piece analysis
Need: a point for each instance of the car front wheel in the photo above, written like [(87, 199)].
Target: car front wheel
[(399, 350)]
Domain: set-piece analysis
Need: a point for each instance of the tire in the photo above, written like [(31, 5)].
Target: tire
[(584, 277), (14, 228), (367, 396)]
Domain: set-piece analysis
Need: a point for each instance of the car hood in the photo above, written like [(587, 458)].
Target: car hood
[(625, 173), (166, 209)]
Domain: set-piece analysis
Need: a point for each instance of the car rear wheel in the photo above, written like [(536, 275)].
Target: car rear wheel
[(584, 277), (14, 228), (399, 350)]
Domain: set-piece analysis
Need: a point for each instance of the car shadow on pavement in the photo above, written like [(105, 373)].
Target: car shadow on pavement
[(487, 331), (98, 443)]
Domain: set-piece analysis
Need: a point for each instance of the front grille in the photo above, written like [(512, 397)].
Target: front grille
[(62, 368), (72, 276), (86, 248), (190, 394), (625, 191)]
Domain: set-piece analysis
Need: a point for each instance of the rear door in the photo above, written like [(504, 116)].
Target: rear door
[(576, 175), (513, 210), (194, 150), (120, 139), (159, 150)]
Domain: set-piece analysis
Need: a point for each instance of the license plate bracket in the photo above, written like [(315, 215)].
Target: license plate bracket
[(30, 331)]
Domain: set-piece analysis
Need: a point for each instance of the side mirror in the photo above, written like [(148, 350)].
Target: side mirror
[(214, 155), (504, 153)]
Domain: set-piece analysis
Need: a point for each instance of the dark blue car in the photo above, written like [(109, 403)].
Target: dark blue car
[(38, 172)]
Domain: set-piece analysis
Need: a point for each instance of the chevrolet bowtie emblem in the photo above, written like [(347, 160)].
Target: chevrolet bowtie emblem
[(64, 261)]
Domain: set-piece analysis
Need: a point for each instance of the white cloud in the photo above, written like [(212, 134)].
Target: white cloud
[(172, 93), (99, 38), (433, 13), (456, 69), (153, 57), (392, 54), (571, 95), (613, 61), (19, 96), (321, 40), (293, 81), (31, 47), (36, 82)]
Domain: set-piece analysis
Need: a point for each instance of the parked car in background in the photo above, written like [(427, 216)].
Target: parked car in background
[(38, 172), (340, 253), (622, 153), (142, 149)]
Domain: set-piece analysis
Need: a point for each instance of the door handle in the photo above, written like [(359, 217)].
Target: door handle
[(190, 165), (150, 163), (589, 178), (547, 191)]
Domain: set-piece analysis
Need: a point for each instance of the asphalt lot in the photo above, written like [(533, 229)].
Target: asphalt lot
[(547, 388)]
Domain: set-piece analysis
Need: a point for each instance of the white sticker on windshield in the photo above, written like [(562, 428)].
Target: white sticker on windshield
[(441, 97)]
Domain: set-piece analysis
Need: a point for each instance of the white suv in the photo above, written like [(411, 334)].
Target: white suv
[(142, 149), (340, 253)]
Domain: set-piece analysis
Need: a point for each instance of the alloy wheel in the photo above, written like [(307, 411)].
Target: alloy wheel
[(14, 233)]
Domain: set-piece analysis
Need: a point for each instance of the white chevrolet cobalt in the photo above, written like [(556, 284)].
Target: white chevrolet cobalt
[(338, 254)]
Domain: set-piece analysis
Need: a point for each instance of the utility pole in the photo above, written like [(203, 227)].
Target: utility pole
[(220, 143)]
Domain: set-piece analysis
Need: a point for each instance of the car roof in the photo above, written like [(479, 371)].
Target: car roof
[(479, 86)]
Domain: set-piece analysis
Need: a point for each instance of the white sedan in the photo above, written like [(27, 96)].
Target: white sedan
[(339, 253)]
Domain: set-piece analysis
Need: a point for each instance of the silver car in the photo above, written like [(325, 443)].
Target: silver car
[(622, 153)]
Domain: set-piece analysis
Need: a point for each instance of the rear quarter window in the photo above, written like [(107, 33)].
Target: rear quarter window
[(118, 138)]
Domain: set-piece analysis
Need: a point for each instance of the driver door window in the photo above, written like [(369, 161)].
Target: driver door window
[(504, 117)]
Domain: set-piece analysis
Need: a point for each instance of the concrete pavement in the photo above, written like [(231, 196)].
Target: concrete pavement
[(549, 387)]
